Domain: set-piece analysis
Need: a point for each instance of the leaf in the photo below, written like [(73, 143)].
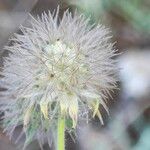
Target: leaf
[(44, 109)]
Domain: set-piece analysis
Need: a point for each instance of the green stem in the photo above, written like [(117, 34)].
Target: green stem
[(61, 134)]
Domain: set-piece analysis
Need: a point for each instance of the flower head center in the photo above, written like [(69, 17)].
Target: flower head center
[(64, 65)]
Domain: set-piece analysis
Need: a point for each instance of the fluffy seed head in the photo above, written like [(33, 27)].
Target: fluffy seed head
[(56, 68)]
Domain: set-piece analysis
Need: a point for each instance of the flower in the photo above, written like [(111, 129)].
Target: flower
[(56, 68)]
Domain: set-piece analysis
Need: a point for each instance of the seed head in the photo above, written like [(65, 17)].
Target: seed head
[(56, 68)]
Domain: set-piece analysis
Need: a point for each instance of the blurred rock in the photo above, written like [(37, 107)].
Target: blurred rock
[(135, 73)]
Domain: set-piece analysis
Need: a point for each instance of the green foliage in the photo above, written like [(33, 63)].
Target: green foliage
[(32, 127), (136, 12), (133, 11), (143, 143)]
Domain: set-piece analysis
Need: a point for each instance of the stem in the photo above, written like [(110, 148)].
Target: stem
[(61, 134)]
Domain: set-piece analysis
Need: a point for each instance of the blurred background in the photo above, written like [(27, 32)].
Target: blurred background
[(128, 126)]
